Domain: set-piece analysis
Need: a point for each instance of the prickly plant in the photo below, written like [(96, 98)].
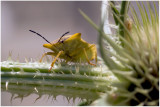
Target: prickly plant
[(71, 81), (134, 59), (132, 55)]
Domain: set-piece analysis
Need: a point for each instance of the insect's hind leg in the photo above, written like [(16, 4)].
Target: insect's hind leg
[(94, 46), (88, 58), (96, 57), (48, 53), (60, 52)]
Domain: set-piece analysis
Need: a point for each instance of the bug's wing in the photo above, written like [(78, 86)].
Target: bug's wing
[(79, 54)]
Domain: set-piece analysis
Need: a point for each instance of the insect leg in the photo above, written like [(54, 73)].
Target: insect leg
[(48, 53), (88, 58), (53, 57), (95, 54), (96, 57), (60, 52)]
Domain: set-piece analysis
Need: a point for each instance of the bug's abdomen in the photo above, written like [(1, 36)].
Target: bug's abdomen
[(91, 53)]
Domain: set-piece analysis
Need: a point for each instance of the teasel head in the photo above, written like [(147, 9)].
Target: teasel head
[(135, 61)]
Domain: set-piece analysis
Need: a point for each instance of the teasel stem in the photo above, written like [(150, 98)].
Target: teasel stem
[(71, 81)]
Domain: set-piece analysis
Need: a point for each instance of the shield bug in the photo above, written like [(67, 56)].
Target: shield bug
[(71, 48)]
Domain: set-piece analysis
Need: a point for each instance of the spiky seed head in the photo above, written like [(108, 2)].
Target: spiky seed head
[(141, 70)]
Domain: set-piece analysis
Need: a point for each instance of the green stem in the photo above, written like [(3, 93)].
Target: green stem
[(85, 82), (123, 16)]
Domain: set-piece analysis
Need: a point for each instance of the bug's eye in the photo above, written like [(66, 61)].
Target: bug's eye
[(63, 36), (62, 41), (59, 41)]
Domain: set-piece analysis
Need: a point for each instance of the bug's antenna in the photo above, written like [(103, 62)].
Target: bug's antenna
[(63, 35), (39, 35)]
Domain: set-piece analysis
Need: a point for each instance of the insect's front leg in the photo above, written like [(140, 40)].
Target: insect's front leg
[(60, 52), (47, 53)]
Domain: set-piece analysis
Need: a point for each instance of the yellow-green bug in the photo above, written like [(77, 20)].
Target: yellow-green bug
[(71, 48)]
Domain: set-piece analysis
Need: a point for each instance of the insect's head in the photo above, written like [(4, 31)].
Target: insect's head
[(62, 36), (50, 45)]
